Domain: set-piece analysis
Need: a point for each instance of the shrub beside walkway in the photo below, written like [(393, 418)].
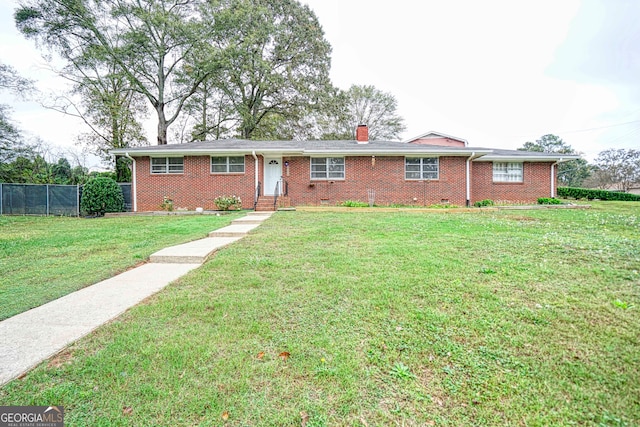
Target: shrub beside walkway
[(38, 334)]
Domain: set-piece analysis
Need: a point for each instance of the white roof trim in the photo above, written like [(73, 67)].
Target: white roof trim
[(426, 150), (506, 158), (403, 153), (203, 152)]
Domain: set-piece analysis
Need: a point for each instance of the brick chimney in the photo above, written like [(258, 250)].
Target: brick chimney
[(362, 134)]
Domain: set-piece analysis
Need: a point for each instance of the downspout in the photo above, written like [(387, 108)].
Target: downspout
[(468, 168), (134, 193), (553, 178), (255, 164)]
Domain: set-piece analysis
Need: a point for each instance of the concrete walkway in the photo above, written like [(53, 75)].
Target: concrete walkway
[(35, 335)]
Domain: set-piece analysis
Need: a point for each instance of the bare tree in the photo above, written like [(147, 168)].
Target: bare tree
[(619, 167)]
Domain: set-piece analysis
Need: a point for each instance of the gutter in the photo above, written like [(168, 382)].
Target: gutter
[(421, 151), (206, 152), (403, 153), (134, 193), (524, 158)]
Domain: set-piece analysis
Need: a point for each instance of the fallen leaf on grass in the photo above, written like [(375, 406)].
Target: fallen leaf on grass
[(63, 358), (305, 418), (127, 410), (225, 415), (284, 355), (260, 355)]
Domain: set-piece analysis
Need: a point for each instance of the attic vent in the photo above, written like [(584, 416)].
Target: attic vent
[(273, 162)]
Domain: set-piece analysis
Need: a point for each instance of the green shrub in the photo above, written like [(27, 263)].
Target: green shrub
[(590, 194), (354, 204), (549, 201), (226, 203), (442, 206), (101, 195), (483, 203), (167, 204)]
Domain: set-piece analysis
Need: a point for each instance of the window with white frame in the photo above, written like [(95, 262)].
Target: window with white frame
[(167, 165), (507, 171), (421, 168), (327, 168), (230, 164)]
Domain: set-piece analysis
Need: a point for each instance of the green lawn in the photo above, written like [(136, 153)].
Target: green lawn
[(523, 318), (44, 258)]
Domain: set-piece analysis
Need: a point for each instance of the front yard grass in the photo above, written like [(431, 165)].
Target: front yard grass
[(44, 258), (374, 319)]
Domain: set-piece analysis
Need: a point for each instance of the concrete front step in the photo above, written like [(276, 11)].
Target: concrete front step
[(260, 214), (256, 218), (195, 252), (234, 230)]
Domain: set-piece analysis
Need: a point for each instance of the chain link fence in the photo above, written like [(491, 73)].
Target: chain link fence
[(47, 199)]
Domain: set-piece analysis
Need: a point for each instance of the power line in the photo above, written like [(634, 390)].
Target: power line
[(600, 127), (579, 130), (621, 137)]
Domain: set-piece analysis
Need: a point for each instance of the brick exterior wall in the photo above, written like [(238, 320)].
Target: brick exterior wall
[(198, 187), (385, 177), (536, 182)]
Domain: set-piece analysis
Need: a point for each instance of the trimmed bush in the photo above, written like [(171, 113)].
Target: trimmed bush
[(354, 204), (226, 203), (549, 201), (590, 194), (101, 195), (483, 203)]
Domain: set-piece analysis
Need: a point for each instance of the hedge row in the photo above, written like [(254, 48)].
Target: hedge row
[(586, 193)]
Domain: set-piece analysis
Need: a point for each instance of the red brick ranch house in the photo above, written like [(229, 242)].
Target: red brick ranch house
[(430, 169)]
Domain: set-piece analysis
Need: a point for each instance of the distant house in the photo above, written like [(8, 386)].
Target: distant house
[(430, 169)]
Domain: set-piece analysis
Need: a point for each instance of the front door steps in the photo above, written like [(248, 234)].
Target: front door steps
[(265, 203)]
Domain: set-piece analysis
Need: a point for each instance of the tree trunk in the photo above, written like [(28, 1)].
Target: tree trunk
[(162, 126)]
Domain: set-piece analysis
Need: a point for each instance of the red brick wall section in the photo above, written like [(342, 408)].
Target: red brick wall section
[(196, 187), (536, 183), (385, 177)]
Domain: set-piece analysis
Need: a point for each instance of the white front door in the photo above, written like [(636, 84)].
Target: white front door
[(272, 174)]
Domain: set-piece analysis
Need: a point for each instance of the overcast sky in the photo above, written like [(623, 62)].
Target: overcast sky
[(497, 73)]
